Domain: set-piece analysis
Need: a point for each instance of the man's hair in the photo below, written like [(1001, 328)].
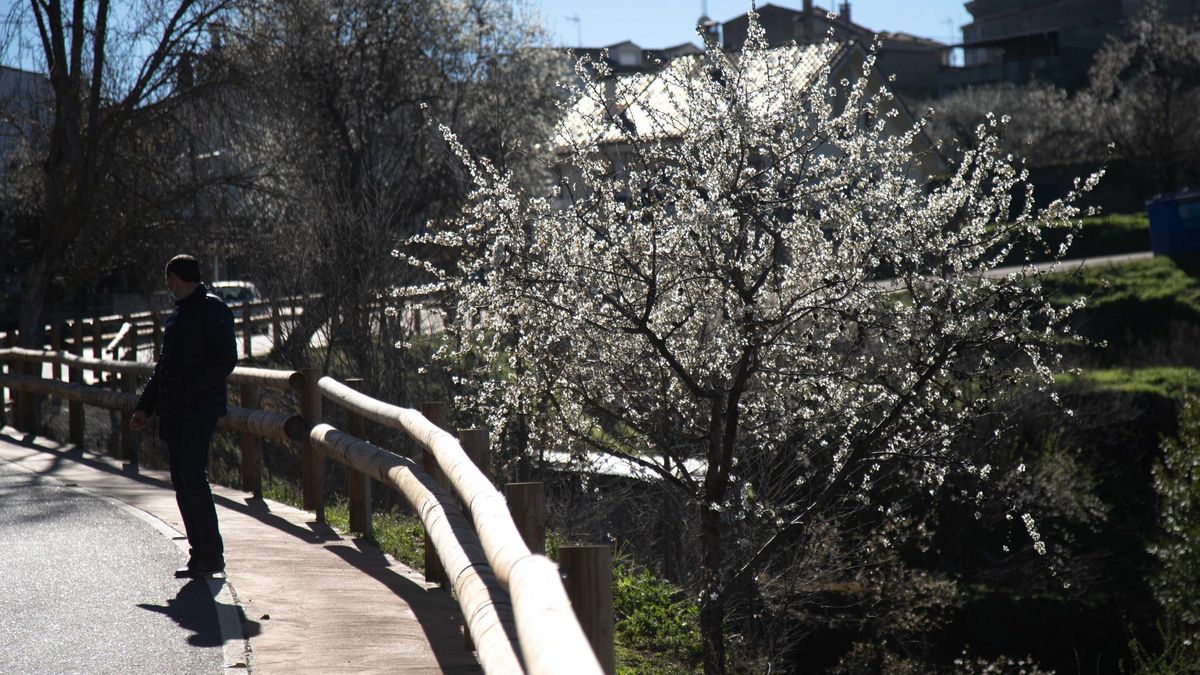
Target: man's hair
[(185, 267)]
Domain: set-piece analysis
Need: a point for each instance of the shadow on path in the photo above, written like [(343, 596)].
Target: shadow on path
[(195, 610)]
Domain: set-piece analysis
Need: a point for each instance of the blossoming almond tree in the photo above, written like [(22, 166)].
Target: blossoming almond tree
[(742, 284)]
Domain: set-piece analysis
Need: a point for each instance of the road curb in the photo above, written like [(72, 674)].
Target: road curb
[(235, 649)]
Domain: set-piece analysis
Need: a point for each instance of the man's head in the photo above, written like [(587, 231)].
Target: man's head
[(183, 273)]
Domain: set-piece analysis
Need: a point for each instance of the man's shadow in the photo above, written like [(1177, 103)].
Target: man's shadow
[(194, 609)]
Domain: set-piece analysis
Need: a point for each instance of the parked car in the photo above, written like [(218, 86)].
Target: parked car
[(235, 292), (238, 293)]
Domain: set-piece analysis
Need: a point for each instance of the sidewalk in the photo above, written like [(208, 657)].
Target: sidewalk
[(311, 600)]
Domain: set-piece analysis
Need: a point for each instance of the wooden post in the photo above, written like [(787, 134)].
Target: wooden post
[(312, 461), (247, 332), (437, 412), (10, 340), (527, 504), (276, 329), (132, 337), (75, 421), (56, 343), (98, 348), (32, 403), (360, 483), (251, 450), (475, 443), (4, 366), (587, 577), (478, 447), (3, 393), (156, 334), (129, 448), (77, 337)]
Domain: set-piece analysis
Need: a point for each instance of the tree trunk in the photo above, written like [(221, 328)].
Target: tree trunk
[(291, 350), (34, 290), (712, 605)]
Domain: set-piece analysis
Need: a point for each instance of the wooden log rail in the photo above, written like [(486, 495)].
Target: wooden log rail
[(484, 603), (263, 423), (503, 588), (549, 633)]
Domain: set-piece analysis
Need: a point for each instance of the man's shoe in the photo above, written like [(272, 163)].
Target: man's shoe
[(197, 568)]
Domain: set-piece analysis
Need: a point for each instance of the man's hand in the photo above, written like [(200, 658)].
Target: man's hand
[(138, 421)]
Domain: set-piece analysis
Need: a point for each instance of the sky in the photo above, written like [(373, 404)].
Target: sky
[(655, 24)]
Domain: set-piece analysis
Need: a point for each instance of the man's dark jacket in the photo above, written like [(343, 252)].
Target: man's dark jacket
[(198, 353)]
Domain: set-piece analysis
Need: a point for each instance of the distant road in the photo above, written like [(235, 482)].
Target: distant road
[(1072, 265)]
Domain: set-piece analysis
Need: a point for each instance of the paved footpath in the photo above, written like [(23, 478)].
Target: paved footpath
[(72, 602), (298, 597)]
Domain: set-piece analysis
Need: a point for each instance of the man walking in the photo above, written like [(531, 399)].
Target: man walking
[(187, 392)]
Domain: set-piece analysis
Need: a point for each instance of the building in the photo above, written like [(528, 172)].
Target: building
[(915, 61), (627, 57), (25, 102), (1048, 41), (660, 106)]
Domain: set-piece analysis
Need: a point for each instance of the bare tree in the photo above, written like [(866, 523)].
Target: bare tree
[(115, 76), (1047, 126), (349, 162), (1147, 87)]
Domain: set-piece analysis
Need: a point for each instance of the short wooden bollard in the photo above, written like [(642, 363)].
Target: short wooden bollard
[(437, 412), (247, 333), (248, 397), (359, 483), (587, 577), (312, 461), (527, 504)]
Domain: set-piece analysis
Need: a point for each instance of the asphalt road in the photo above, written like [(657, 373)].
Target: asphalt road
[(86, 587)]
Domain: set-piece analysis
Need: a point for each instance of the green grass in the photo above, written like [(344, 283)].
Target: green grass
[(657, 625), (1168, 382), (1147, 311), (1111, 234), (1155, 281)]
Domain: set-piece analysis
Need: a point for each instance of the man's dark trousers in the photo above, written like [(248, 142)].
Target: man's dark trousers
[(187, 440)]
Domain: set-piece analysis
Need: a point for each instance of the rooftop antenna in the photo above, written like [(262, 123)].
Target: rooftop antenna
[(574, 18)]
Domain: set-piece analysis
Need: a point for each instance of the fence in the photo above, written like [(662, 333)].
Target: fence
[(110, 334), (522, 612)]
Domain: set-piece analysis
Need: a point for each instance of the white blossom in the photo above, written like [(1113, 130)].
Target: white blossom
[(750, 271)]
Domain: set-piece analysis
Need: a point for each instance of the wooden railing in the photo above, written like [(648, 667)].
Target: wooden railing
[(117, 334), (523, 613)]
